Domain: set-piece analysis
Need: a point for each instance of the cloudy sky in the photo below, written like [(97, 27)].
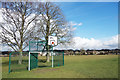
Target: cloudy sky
[(94, 24)]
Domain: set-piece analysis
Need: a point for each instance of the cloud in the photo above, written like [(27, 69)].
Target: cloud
[(78, 43), (72, 28), (74, 25), (4, 47), (80, 24), (1, 19), (113, 42)]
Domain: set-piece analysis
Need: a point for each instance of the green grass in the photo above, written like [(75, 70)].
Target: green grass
[(91, 66)]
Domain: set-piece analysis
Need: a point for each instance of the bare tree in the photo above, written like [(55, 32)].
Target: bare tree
[(52, 22), (25, 21), (18, 26)]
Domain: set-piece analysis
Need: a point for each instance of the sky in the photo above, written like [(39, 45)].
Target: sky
[(94, 24), (98, 20)]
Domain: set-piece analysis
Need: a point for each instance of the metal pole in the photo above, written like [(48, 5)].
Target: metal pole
[(63, 58), (52, 56), (29, 56), (29, 62), (9, 61), (29, 46)]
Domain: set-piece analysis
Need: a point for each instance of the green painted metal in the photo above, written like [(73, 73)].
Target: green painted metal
[(9, 62), (33, 60), (58, 58), (13, 62), (63, 58), (36, 47)]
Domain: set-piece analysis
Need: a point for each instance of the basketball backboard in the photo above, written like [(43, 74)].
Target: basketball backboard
[(52, 40)]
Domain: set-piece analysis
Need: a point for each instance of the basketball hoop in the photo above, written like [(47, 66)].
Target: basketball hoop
[(53, 44)]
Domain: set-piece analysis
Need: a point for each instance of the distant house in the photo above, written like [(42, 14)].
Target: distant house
[(77, 52), (72, 52)]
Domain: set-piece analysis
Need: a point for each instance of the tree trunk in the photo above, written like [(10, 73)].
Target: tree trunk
[(20, 57), (47, 56), (48, 60)]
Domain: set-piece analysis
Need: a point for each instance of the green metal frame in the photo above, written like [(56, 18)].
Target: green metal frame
[(9, 62), (63, 58), (10, 59), (42, 42), (34, 52), (34, 61)]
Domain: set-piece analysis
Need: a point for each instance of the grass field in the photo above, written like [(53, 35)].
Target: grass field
[(83, 66)]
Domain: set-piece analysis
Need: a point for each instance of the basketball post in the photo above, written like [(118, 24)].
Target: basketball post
[(52, 40), (52, 53), (29, 63), (52, 56)]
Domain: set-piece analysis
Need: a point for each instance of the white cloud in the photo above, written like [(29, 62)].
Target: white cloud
[(113, 42), (74, 25), (1, 19), (80, 24), (5, 47), (72, 28), (78, 43)]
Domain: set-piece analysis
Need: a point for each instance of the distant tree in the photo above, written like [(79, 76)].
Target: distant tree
[(82, 51)]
